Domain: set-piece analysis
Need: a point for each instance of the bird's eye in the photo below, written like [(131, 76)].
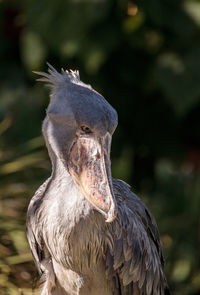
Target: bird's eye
[(85, 129)]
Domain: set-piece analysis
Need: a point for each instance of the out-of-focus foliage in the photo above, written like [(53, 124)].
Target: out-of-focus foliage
[(144, 57)]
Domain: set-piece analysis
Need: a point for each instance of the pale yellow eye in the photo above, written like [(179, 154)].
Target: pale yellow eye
[(85, 129)]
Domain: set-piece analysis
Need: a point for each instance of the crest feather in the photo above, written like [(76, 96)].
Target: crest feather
[(56, 78)]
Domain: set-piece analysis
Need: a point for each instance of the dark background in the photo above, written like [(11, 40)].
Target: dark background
[(144, 57)]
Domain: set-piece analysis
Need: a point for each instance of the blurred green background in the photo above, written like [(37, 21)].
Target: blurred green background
[(144, 57)]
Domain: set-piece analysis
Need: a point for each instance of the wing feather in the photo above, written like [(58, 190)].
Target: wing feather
[(36, 249), (33, 229), (137, 256), (41, 255)]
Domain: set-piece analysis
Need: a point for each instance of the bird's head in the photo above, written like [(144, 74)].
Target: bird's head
[(78, 129)]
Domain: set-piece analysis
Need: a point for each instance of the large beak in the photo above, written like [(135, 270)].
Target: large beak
[(89, 165)]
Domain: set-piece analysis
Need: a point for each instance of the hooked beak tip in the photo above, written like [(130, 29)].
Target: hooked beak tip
[(112, 214)]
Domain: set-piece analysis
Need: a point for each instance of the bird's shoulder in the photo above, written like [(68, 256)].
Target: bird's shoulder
[(36, 200), (136, 254)]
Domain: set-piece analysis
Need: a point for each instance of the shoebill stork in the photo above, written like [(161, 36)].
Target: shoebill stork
[(89, 234)]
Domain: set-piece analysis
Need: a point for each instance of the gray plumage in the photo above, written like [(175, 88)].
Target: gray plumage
[(75, 250)]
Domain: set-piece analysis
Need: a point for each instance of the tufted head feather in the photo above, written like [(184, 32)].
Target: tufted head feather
[(54, 78)]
